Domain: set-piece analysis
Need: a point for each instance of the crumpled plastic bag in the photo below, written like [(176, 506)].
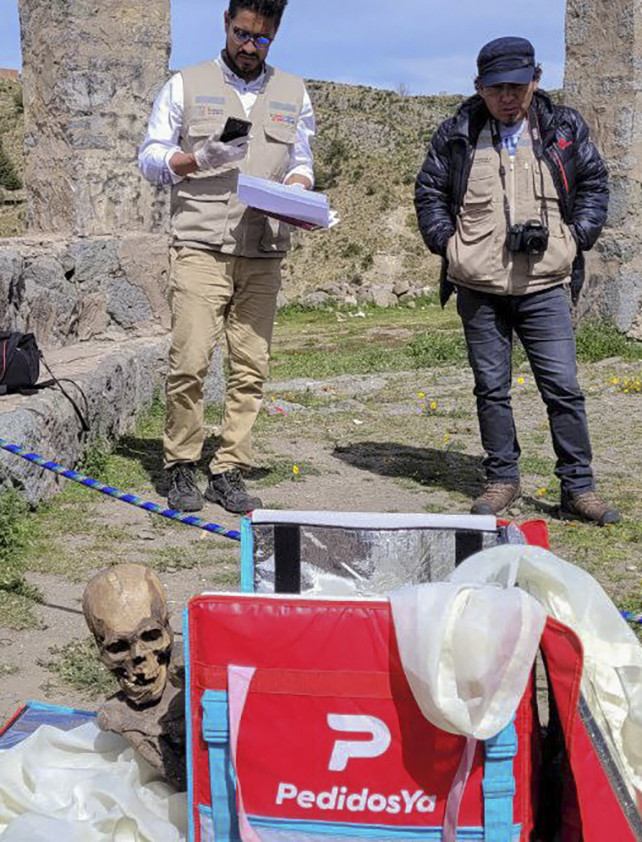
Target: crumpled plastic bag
[(85, 785), (467, 652), (612, 677)]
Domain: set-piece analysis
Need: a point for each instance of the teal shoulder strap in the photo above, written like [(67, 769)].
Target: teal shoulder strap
[(499, 785)]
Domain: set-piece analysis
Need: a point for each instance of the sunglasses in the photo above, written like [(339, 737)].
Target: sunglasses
[(242, 36)]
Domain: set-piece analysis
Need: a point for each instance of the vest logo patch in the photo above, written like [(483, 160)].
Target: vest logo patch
[(279, 117), (563, 143), (209, 111), (283, 106), (210, 100)]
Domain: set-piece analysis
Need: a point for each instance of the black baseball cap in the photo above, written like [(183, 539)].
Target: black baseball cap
[(507, 59)]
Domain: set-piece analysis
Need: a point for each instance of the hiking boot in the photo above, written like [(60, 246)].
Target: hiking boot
[(497, 496), (229, 491), (184, 495), (587, 506)]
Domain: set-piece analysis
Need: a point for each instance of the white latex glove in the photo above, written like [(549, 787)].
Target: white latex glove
[(214, 154)]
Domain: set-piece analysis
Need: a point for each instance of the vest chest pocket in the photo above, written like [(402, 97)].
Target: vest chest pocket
[(474, 252), (477, 216), (557, 260), (279, 139), (277, 131), (545, 190), (197, 134)]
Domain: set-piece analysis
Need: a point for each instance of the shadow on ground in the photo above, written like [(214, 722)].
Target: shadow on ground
[(149, 453), (445, 469)]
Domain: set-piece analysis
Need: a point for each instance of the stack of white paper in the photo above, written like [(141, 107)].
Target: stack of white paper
[(302, 208)]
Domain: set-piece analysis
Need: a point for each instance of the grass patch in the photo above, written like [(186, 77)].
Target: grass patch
[(538, 465), (284, 470), (17, 597), (17, 611), (77, 665), (600, 340), (602, 552), (633, 605), (319, 365), (198, 553), (6, 670), (437, 348)]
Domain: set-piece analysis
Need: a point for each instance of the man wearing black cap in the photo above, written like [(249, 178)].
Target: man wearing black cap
[(511, 194)]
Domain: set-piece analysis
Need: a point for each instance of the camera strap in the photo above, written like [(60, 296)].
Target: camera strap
[(497, 143)]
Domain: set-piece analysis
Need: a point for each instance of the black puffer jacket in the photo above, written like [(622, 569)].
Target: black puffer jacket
[(578, 171)]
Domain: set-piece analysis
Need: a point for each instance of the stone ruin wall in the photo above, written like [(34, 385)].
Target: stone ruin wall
[(95, 262), (603, 80), (91, 71)]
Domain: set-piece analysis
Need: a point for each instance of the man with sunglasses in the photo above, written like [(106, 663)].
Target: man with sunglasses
[(225, 258), (511, 194)]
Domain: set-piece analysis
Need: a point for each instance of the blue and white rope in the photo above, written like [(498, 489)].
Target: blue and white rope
[(132, 499)]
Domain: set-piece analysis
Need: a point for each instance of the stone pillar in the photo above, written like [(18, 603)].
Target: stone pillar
[(603, 80), (91, 69)]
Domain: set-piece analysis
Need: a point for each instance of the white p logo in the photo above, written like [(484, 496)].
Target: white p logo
[(345, 749)]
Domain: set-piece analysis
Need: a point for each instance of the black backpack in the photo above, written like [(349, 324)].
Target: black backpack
[(20, 359)]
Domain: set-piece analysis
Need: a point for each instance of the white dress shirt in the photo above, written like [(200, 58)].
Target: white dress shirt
[(164, 130)]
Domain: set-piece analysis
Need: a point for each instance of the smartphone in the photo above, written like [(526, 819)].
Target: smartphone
[(235, 128)]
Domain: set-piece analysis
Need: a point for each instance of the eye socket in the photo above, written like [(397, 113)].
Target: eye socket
[(151, 635), (117, 647)]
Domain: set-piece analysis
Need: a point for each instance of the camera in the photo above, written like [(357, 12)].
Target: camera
[(529, 237)]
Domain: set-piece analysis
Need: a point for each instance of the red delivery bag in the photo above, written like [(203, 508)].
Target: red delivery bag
[(301, 725)]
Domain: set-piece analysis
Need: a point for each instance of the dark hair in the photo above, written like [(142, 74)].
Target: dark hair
[(267, 8), (536, 77)]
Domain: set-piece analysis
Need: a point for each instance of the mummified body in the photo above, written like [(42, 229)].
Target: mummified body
[(126, 610)]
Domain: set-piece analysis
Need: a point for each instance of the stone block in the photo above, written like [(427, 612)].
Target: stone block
[(95, 261), (127, 304), (401, 288), (117, 382), (380, 296), (86, 106)]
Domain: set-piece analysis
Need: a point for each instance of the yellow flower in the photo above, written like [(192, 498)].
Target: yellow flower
[(296, 470), (433, 405), (421, 396), (446, 438), (615, 381), (541, 492), (520, 381)]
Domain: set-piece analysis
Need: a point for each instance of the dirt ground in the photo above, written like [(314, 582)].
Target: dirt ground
[(382, 442)]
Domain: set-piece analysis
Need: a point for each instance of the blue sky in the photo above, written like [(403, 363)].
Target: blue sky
[(427, 45)]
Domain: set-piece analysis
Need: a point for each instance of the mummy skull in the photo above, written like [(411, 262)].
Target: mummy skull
[(126, 610)]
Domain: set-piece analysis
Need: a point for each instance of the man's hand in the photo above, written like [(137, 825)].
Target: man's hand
[(214, 154), (298, 181)]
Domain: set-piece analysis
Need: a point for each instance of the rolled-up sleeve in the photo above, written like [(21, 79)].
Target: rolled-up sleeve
[(163, 133), (301, 157)]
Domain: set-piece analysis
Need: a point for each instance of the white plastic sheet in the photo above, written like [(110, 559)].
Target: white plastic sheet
[(85, 786), (612, 677), (467, 651)]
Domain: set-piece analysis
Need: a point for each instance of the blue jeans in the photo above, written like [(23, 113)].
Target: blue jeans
[(542, 320)]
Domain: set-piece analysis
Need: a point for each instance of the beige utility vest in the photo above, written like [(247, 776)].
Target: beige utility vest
[(205, 211), (477, 253)]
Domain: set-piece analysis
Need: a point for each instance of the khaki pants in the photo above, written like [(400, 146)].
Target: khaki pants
[(211, 293)]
